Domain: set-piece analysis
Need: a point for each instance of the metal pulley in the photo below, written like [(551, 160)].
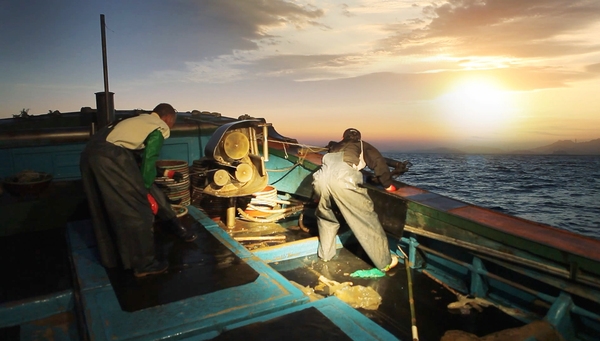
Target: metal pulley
[(239, 169), (221, 177), (236, 145), (243, 172)]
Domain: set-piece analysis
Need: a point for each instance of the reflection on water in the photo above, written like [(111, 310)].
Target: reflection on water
[(558, 190)]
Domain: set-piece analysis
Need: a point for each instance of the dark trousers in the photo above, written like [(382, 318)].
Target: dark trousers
[(117, 198)]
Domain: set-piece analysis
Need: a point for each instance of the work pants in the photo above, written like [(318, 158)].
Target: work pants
[(117, 198), (338, 182)]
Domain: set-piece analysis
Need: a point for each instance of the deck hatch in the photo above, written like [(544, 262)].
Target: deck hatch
[(197, 268), (306, 324)]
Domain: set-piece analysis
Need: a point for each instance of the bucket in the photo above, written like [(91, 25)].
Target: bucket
[(27, 183)]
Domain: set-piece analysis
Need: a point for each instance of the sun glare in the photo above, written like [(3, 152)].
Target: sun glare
[(477, 106)]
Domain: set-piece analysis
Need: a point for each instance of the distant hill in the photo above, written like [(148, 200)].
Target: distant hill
[(563, 147), (569, 147), (440, 150), (483, 150)]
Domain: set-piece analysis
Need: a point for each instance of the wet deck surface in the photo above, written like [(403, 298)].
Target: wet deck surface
[(280, 328), (37, 264), (205, 262), (10, 333), (34, 264), (431, 299)]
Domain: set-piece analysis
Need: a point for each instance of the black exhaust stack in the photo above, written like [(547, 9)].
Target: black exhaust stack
[(105, 106)]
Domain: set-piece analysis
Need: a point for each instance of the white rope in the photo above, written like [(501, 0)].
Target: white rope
[(310, 149)]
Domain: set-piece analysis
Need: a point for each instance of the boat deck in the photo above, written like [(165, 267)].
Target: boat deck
[(431, 299), (42, 301)]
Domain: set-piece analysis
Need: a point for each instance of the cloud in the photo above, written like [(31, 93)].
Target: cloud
[(511, 28), (232, 37), (250, 20), (595, 68), (306, 67), (244, 40)]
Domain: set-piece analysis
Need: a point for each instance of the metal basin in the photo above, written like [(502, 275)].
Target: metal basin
[(27, 183)]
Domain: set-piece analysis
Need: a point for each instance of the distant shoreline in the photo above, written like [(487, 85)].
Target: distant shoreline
[(483, 153), (559, 148)]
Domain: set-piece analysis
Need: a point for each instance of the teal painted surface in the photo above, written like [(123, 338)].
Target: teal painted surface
[(287, 251), (62, 161), (560, 317), (354, 324), (20, 312), (181, 148), (6, 166), (201, 314), (60, 327), (286, 177), (90, 273)]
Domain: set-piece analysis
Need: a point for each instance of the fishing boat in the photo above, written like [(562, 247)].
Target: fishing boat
[(253, 272)]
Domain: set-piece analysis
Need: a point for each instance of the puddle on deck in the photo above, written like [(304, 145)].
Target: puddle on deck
[(431, 298), (256, 235)]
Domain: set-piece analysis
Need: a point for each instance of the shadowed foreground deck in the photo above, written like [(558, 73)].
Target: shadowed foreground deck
[(431, 299), (32, 254)]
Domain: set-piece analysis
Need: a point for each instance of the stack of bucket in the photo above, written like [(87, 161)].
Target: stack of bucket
[(175, 191), (214, 207), (198, 181)]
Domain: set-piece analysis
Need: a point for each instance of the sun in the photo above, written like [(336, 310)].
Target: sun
[(477, 106)]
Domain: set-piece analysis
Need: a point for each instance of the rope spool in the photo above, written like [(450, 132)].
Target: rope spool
[(265, 203), (175, 191)]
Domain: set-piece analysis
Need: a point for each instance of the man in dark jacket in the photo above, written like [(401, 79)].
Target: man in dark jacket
[(121, 193), (338, 181)]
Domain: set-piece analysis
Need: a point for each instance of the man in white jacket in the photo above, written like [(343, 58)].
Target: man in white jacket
[(338, 182)]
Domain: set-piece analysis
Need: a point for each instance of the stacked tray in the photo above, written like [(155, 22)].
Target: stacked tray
[(198, 180)]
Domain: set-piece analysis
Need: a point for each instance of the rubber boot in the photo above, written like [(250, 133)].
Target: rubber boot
[(180, 230), (153, 268)]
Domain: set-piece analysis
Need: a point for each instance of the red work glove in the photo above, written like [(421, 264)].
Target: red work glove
[(392, 188), (153, 203), (171, 174)]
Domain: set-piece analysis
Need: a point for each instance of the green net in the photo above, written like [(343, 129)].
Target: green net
[(372, 273)]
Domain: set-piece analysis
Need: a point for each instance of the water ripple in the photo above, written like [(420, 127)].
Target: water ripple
[(558, 190)]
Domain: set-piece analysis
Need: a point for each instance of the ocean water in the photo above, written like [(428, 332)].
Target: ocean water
[(558, 190)]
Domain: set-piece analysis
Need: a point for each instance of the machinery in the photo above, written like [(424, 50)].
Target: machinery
[(235, 167)]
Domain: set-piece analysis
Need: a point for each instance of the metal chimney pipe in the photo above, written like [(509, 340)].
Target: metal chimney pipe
[(106, 110)]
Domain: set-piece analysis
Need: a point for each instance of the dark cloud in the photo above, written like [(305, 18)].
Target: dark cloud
[(205, 30), (511, 28), (245, 22), (595, 68)]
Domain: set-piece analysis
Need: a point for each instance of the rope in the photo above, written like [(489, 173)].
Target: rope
[(266, 197), (411, 301), (286, 174), (314, 149), (268, 202)]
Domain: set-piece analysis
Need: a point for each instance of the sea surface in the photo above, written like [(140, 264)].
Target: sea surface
[(558, 190)]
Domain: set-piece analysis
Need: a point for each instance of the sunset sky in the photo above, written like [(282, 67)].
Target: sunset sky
[(408, 74)]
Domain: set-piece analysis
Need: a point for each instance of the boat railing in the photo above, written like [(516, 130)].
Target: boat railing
[(479, 283)]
